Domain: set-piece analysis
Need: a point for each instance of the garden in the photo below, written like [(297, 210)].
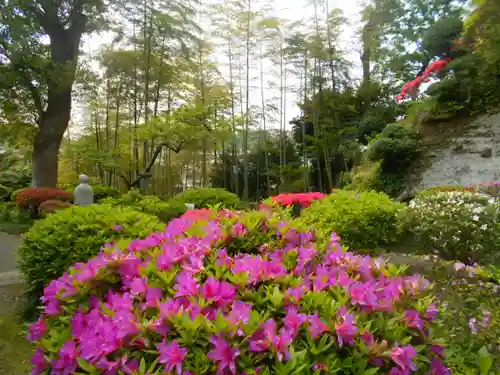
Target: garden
[(350, 283)]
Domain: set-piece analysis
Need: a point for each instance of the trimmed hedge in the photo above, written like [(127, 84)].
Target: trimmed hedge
[(364, 219), (75, 235), (206, 197)]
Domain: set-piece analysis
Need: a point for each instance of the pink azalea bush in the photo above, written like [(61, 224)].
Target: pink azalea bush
[(236, 294)]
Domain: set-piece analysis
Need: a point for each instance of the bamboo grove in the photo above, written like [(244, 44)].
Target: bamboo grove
[(198, 93)]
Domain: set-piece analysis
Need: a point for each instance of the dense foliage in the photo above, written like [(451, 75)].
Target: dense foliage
[(73, 235), (207, 197), (471, 319), (15, 177), (255, 295), (103, 192), (457, 225), (50, 206), (4, 192), (150, 204), (363, 219), (442, 189)]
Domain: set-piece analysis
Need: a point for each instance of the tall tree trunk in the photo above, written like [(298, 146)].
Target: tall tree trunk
[(247, 108), (303, 128), (234, 150), (54, 120), (264, 121), (282, 161), (331, 63)]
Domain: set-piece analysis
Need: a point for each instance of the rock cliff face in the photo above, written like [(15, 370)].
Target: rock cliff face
[(469, 154)]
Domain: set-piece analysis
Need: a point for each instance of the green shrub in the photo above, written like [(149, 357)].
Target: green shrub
[(4, 192), (396, 147), (103, 192), (153, 205), (206, 197), (10, 213), (16, 177), (363, 219), (51, 206), (439, 189), (457, 225), (471, 319), (75, 235)]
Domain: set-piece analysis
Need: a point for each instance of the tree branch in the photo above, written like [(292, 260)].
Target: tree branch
[(147, 170), (35, 93)]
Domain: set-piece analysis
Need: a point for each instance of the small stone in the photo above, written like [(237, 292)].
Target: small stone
[(487, 153)]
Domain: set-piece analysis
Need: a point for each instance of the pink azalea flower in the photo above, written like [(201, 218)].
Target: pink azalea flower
[(432, 312), (282, 342), (224, 354), (66, 364), (263, 338), (37, 330), (403, 356), (186, 285), (363, 294), (293, 321), (346, 330), (413, 320), (223, 260), (437, 367), (316, 326), (39, 362), (438, 350), (398, 371), (240, 312), (367, 338), (138, 285), (153, 296), (172, 355), (219, 291)]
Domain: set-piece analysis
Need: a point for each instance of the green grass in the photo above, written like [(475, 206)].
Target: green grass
[(15, 351)]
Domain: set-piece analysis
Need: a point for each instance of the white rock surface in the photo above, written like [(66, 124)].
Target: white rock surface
[(470, 159)]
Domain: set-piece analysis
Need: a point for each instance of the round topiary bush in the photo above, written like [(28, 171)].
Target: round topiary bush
[(206, 197), (457, 225), (234, 294), (51, 206), (396, 147), (103, 192), (363, 219), (75, 235)]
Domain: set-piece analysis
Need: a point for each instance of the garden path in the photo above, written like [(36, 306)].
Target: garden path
[(10, 282), (8, 252)]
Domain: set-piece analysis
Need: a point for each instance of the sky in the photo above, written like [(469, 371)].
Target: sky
[(287, 9)]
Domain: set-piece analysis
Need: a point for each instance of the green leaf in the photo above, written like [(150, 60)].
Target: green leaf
[(370, 371), (484, 361), (142, 366), (84, 365)]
